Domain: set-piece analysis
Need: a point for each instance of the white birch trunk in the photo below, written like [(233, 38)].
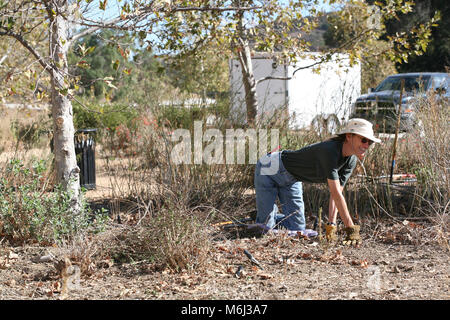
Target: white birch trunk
[(248, 78), (67, 171)]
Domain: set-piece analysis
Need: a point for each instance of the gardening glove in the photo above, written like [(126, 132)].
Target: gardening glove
[(352, 237), (331, 233)]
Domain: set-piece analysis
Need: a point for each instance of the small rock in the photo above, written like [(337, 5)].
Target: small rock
[(43, 259), (46, 258), (352, 295), (283, 288), (12, 255)]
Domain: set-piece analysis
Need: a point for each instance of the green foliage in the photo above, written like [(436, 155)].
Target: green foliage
[(103, 64), (28, 133), (30, 212), (375, 69), (181, 117), (31, 132), (102, 117), (366, 32), (204, 72), (22, 79), (109, 65), (437, 55), (146, 83)]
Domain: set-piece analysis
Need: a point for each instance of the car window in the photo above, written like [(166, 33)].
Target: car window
[(440, 82), (412, 83)]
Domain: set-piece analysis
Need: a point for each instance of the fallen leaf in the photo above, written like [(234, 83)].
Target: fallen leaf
[(364, 264), (107, 263), (304, 255), (396, 269), (125, 292), (11, 283), (4, 263), (361, 263), (56, 286), (265, 276), (220, 248), (12, 256)]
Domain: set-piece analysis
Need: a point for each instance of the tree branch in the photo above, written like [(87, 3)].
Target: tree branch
[(272, 78), (44, 63), (322, 60), (218, 9), (144, 14)]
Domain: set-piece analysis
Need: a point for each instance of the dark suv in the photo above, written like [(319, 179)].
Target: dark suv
[(380, 105)]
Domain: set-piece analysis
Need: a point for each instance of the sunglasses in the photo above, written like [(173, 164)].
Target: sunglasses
[(365, 140)]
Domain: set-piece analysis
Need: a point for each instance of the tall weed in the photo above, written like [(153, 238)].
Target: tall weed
[(433, 149)]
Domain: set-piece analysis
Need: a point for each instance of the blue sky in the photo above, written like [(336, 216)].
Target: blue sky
[(113, 8)]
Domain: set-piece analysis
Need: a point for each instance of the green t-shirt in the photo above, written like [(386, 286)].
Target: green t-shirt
[(318, 162)]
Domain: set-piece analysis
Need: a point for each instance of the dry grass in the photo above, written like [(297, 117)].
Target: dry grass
[(24, 118), (174, 205)]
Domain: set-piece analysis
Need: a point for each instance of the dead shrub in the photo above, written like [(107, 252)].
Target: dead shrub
[(433, 167), (183, 242), (82, 251), (176, 239), (153, 175)]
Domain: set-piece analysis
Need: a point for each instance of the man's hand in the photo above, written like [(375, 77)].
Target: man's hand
[(352, 237), (331, 233)]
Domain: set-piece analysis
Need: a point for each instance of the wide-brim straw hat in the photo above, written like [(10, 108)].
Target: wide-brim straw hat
[(361, 127)]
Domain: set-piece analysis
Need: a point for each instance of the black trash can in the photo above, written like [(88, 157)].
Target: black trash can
[(85, 153)]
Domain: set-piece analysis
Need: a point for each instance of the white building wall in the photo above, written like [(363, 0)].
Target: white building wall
[(329, 92), (307, 94)]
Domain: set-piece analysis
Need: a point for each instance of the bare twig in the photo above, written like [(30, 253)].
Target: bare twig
[(252, 259)]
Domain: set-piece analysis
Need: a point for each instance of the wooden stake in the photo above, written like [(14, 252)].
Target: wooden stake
[(320, 223), (394, 149)]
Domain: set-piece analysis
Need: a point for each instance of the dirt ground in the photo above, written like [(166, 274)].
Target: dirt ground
[(397, 261), (290, 269)]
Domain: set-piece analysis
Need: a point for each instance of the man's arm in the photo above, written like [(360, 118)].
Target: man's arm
[(338, 204), (332, 209)]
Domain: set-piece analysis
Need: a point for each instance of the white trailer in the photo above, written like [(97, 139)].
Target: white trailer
[(307, 95)]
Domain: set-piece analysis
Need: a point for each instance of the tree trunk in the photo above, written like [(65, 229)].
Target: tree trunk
[(248, 78), (245, 59), (67, 171)]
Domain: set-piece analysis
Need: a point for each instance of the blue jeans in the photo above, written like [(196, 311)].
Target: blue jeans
[(272, 181)]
